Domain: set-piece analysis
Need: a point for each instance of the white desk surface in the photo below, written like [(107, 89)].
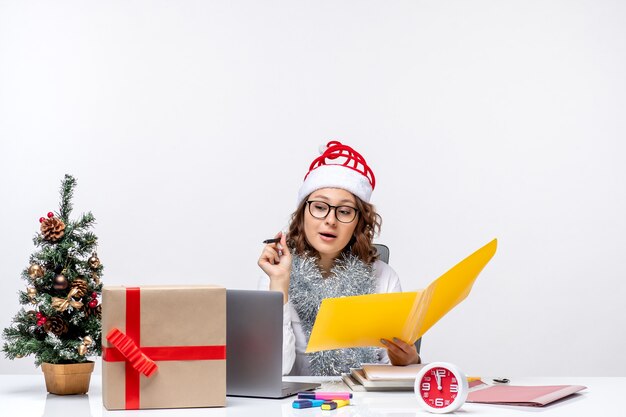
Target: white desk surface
[(25, 395)]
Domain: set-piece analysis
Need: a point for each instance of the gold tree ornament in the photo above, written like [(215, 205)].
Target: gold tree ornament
[(52, 229), (19, 356), (82, 350), (32, 294), (36, 271), (60, 282), (95, 278), (87, 341), (94, 261)]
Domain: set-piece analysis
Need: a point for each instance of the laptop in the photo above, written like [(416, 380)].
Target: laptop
[(254, 346)]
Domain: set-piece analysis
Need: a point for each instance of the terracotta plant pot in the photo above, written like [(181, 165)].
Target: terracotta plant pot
[(67, 379)]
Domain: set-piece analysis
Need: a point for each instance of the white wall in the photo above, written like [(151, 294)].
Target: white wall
[(190, 125)]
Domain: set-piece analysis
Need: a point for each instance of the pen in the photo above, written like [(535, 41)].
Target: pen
[(497, 380), (325, 395), (331, 405), (274, 240), (307, 403)]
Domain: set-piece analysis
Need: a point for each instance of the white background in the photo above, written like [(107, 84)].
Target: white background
[(190, 125)]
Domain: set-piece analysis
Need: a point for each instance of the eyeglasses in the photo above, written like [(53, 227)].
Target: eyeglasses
[(320, 209)]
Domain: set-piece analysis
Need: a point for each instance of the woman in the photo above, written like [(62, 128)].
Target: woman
[(329, 252)]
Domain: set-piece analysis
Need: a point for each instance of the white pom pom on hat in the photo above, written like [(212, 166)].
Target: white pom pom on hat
[(339, 166)]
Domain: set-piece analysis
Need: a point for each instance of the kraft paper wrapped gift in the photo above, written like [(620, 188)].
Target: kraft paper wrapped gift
[(163, 347)]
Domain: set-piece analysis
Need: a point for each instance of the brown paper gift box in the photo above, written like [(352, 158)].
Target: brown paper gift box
[(190, 319)]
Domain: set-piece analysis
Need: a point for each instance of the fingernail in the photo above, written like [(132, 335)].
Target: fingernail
[(395, 339), (383, 341)]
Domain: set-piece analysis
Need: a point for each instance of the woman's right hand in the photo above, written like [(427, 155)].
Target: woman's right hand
[(275, 261)]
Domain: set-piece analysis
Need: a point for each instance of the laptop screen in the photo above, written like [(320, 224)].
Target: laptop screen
[(254, 343)]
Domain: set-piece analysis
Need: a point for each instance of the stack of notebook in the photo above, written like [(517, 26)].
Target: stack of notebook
[(382, 378)]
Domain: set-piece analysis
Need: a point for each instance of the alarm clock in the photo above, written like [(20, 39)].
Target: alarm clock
[(441, 387)]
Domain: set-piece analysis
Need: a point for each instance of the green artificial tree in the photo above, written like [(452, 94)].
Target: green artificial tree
[(62, 324)]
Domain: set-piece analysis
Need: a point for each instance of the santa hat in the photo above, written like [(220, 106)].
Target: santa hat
[(339, 166)]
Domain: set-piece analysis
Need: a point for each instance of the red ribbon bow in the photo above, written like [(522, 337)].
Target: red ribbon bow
[(132, 353)]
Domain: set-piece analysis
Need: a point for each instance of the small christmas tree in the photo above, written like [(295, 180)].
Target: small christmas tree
[(63, 285)]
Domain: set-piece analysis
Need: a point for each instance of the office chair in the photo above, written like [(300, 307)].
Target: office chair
[(383, 255)]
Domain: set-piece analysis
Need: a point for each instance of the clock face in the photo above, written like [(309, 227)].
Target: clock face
[(439, 387)]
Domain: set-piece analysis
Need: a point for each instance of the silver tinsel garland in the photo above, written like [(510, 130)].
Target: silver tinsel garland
[(349, 276)]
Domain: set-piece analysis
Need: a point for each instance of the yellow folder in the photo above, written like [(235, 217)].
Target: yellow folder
[(363, 320)]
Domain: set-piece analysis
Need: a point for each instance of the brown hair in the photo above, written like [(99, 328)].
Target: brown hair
[(362, 242)]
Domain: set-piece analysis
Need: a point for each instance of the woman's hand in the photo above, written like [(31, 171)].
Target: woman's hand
[(275, 261), (401, 353)]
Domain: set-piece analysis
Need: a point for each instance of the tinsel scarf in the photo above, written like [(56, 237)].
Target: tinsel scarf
[(348, 276)]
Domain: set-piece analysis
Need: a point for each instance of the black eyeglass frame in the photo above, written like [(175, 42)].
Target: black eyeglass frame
[(356, 210)]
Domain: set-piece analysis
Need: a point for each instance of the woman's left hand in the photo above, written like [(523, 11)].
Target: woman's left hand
[(400, 352)]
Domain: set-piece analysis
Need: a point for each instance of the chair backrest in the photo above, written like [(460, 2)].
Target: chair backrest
[(383, 255), (383, 252)]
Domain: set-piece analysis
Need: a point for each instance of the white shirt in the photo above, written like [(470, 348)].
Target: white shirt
[(295, 362)]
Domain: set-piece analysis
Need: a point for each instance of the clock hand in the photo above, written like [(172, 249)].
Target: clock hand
[(438, 377)]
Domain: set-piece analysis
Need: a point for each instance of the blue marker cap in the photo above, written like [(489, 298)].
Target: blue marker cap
[(307, 403)]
